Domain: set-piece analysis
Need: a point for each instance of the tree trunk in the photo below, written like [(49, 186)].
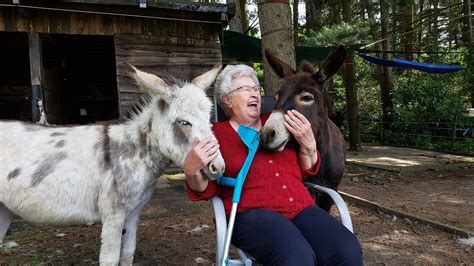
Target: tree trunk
[(420, 30), (467, 39), (277, 35), (375, 32), (295, 20), (351, 88), (407, 24), (392, 22), (435, 31), (239, 22), (334, 12), (386, 84), (467, 22), (311, 14)]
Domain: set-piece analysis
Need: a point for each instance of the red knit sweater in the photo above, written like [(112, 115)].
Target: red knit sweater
[(273, 181)]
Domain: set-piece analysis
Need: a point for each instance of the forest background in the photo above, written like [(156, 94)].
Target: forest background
[(371, 103)]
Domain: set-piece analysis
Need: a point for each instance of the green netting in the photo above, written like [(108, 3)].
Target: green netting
[(237, 47)]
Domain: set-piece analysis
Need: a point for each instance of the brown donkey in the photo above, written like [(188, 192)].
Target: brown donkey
[(306, 92)]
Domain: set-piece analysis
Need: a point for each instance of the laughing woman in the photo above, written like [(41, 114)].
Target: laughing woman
[(277, 221)]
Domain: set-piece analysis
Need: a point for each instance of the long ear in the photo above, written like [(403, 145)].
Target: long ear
[(205, 80), (148, 82), (307, 67), (331, 65), (281, 68)]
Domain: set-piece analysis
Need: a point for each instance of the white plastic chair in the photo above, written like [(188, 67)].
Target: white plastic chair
[(246, 259)]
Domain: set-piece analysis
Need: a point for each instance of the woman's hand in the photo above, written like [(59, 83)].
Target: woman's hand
[(299, 126), (200, 155)]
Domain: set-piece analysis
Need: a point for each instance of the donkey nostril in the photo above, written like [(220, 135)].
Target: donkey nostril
[(213, 169), (272, 135)]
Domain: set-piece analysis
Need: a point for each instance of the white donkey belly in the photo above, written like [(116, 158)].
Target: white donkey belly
[(49, 175), (54, 205)]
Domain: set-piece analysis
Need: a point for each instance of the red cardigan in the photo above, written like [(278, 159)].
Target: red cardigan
[(273, 181)]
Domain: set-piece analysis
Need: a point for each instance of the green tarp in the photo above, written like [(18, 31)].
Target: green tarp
[(237, 47)]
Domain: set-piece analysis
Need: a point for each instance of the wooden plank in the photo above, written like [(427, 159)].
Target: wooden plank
[(35, 58), (2, 19), (129, 89), (48, 21), (155, 51), (144, 61), (8, 21), (163, 39), (132, 97), (377, 208), (36, 72)]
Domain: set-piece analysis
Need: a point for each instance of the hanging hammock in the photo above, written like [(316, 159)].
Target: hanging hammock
[(397, 62)]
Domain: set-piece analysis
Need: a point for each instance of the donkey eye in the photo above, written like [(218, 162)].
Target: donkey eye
[(307, 98), (184, 123)]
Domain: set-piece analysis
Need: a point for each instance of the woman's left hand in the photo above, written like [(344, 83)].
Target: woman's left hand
[(299, 126)]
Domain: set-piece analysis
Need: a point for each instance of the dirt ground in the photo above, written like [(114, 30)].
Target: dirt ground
[(168, 232)]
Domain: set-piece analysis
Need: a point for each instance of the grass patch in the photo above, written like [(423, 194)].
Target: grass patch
[(177, 176), (176, 181), (35, 260)]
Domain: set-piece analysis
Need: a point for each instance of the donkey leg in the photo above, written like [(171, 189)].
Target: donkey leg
[(129, 236), (112, 226), (5, 221)]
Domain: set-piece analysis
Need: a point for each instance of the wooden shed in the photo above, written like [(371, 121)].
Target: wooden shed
[(69, 53)]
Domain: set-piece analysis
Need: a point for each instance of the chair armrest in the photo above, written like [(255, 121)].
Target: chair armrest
[(221, 226), (340, 204)]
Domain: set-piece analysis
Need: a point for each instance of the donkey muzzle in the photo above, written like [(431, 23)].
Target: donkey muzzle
[(215, 168), (274, 136)]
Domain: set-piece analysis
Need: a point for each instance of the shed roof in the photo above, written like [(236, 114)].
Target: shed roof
[(182, 5), (166, 9)]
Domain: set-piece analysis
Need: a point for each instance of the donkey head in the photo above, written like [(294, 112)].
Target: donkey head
[(302, 91), (177, 115)]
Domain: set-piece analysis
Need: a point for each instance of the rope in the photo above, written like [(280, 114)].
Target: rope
[(276, 30)]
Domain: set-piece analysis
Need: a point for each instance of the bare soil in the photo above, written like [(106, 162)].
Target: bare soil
[(166, 235)]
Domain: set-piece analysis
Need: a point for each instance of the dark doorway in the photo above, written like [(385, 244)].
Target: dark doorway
[(80, 84), (15, 82)]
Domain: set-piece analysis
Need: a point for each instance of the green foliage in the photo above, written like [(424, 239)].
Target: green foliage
[(427, 97), (426, 106), (368, 90), (258, 67), (338, 34), (467, 61)]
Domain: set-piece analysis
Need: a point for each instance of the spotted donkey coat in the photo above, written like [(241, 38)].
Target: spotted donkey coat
[(107, 173)]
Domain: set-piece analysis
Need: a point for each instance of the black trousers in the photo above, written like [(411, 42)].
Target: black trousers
[(313, 237)]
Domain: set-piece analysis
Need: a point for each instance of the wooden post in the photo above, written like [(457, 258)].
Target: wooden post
[(454, 133), (36, 72)]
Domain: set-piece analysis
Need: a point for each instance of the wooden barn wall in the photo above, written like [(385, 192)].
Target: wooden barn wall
[(49, 21), (182, 50), (53, 90), (46, 21)]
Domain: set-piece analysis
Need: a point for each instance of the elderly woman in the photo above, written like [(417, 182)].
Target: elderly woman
[(277, 221)]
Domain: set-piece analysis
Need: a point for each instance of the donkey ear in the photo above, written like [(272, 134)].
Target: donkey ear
[(148, 82), (331, 65), (205, 80), (307, 67), (281, 68)]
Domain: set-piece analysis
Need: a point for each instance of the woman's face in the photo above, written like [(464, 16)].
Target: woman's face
[(244, 101)]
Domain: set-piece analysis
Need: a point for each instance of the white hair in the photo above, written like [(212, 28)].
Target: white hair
[(224, 80)]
